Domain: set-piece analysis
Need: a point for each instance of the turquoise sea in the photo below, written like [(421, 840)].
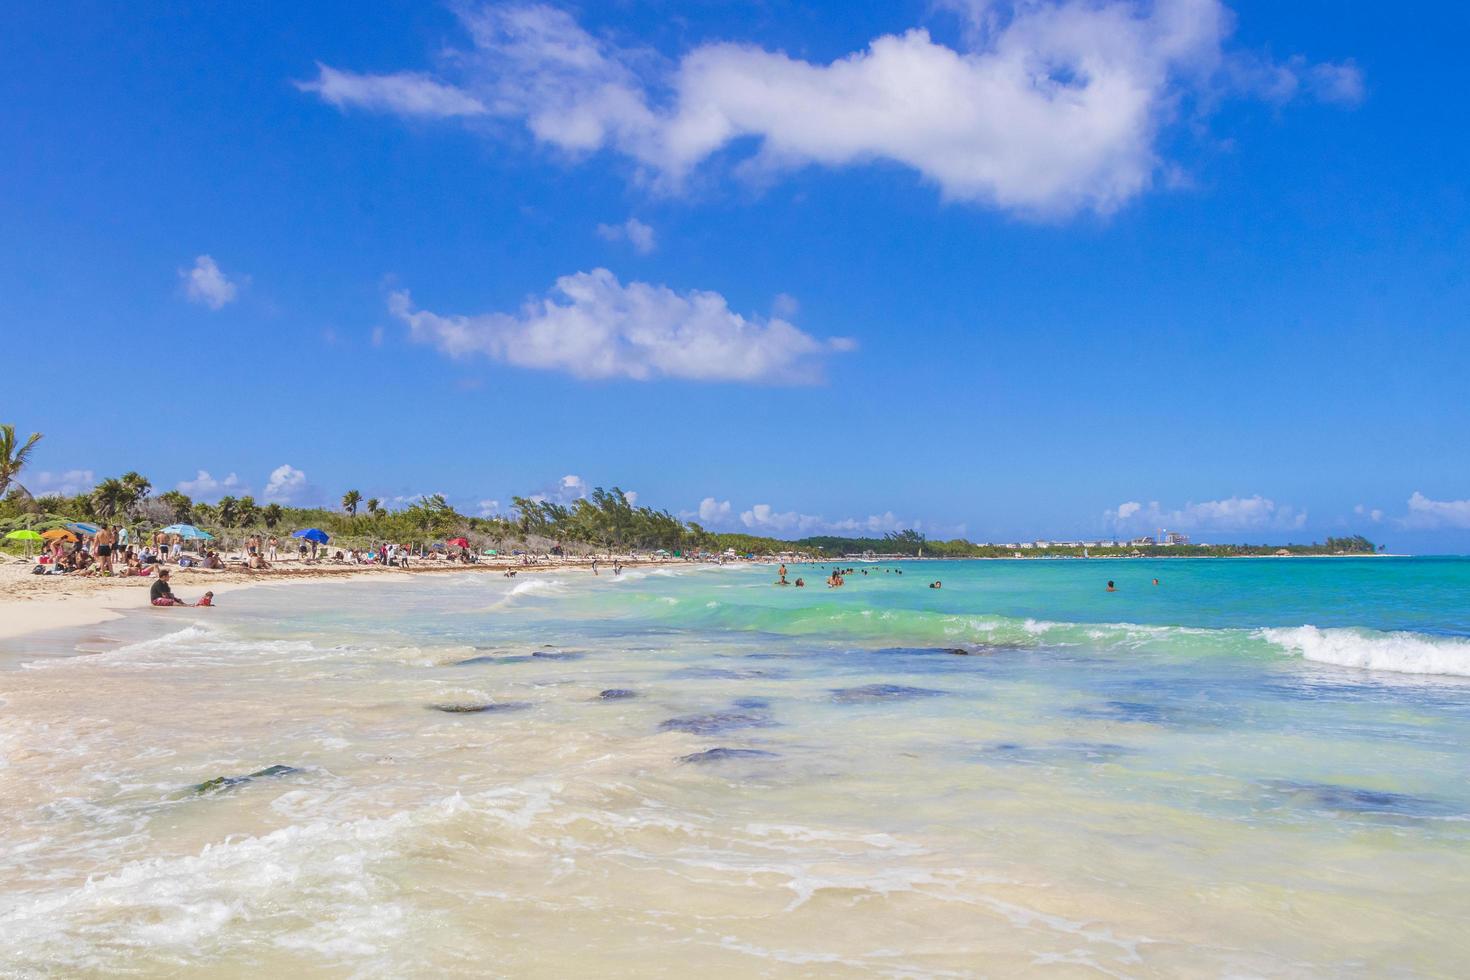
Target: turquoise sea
[(1257, 767)]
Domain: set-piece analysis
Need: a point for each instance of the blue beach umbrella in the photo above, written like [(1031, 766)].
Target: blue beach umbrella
[(188, 531), (312, 534), (82, 527)]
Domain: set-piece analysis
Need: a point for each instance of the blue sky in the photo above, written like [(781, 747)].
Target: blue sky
[(1048, 269)]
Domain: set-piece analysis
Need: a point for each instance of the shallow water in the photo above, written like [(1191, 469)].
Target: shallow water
[(1256, 768)]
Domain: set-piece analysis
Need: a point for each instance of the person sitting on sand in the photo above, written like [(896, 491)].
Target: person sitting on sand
[(213, 561), (161, 594), (208, 600)]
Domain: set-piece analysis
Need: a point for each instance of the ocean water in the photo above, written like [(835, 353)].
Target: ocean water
[(1255, 768)]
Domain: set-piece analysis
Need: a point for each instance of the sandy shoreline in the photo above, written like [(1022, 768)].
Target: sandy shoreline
[(35, 603)]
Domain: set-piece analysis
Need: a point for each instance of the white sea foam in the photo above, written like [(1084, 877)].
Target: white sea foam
[(1403, 652)]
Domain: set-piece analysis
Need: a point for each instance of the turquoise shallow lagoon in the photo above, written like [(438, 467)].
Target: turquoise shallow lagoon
[(1255, 768)]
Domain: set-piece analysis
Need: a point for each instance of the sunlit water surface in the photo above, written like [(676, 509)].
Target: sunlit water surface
[(1254, 768)]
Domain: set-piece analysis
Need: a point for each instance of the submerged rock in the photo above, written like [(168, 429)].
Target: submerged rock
[(721, 754), (461, 708), (881, 692), (616, 694), (558, 655), (229, 782), (716, 722), (476, 660), (1351, 799)]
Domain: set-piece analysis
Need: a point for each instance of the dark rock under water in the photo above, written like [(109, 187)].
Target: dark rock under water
[(475, 708), (869, 693), (722, 754), (1352, 799), (229, 782), (616, 694), (716, 722)]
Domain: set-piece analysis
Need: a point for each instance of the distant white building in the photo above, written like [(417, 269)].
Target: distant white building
[(1043, 544), (1146, 541), (1025, 545), (1174, 537)]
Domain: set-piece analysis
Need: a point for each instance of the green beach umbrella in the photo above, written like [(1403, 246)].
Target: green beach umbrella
[(26, 536)]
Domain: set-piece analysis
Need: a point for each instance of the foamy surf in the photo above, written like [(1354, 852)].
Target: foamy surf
[(1400, 652)]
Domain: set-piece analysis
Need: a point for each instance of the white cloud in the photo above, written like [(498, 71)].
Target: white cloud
[(1425, 513), (207, 284), (68, 483), (204, 486), (1341, 84), (634, 232), (712, 511), (489, 508), (631, 496), (1051, 106), (1373, 514), (401, 93), (765, 519), (285, 483), (785, 305), (1231, 514), (593, 326)]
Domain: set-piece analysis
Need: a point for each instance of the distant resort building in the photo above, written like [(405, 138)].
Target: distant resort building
[(1146, 541), (1174, 537)]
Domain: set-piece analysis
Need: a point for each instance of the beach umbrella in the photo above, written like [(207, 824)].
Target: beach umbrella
[(58, 534), (82, 527), (312, 534), (188, 531), (459, 542), (24, 535)]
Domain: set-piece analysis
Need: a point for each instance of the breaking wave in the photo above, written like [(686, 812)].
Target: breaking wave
[(1399, 652)]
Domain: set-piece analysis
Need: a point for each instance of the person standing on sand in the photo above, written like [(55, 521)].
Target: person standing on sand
[(271, 547), (103, 541)]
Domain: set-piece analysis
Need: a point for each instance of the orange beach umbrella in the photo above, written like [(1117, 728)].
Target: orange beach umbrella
[(58, 534)]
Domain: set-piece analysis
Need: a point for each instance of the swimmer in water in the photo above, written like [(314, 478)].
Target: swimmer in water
[(1111, 586), (936, 584), (1156, 581)]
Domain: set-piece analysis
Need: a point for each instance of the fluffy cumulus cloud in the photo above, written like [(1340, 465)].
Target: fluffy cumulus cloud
[(489, 508), (1047, 107), (285, 485), (207, 285), (712, 511), (593, 326), (65, 483), (632, 231), (1427, 514), (1255, 513), (204, 486), (1372, 513)]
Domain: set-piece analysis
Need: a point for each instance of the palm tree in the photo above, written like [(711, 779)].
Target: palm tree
[(246, 513), (12, 459), (137, 487), (272, 515), (350, 500), (227, 510), (110, 498), (374, 506), (178, 504)]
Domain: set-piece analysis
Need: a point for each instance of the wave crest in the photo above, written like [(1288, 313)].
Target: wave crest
[(1401, 652)]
